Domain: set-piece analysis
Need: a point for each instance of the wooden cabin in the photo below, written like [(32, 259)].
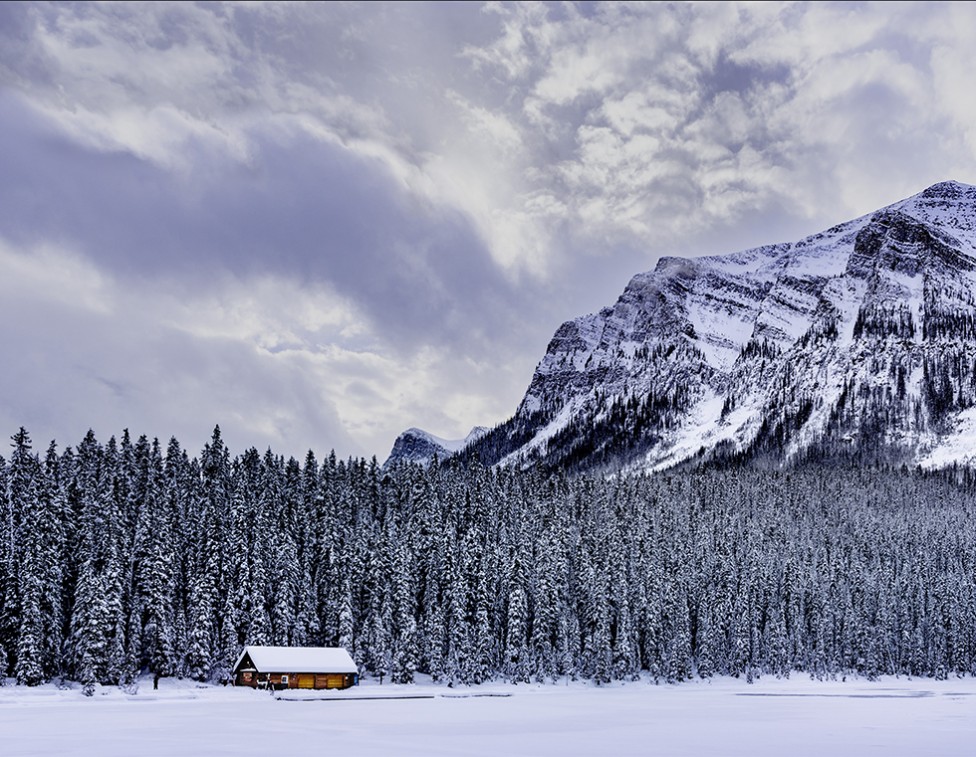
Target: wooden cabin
[(295, 668)]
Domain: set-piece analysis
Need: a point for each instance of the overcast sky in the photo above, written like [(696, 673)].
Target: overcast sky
[(317, 225)]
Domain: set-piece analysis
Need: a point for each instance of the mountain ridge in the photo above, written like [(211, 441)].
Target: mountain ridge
[(857, 342)]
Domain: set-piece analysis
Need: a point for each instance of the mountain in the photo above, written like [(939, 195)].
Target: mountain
[(417, 446), (858, 343)]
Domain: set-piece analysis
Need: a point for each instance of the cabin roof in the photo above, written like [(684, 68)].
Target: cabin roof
[(298, 659)]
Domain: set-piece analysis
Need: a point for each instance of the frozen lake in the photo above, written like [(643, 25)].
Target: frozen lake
[(721, 717)]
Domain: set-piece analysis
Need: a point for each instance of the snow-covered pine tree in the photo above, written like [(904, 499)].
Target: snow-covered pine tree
[(456, 630), (346, 621), (307, 522), (182, 505), (279, 504), (203, 603), (518, 664), (404, 613), (8, 584), (88, 624), (213, 634), (545, 622), (52, 513), (155, 577), (228, 642), (24, 478)]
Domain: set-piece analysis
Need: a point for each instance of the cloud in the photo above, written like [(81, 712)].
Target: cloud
[(666, 119), (320, 224), (302, 208), (93, 351)]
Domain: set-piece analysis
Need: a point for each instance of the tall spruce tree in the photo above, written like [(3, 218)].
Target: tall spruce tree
[(51, 516), (24, 478), (8, 605)]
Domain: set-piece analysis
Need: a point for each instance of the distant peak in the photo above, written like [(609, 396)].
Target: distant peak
[(948, 188), (475, 433), (419, 446)]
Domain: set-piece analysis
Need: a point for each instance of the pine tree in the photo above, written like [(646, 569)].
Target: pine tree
[(346, 627), (517, 658), (228, 643), (8, 584), (203, 610), (308, 525), (182, 507), (215, 642), (404, 619), (280, 505), (52, 513), (484, 644), (159, 631), (545, 625), (88, 628), (460, 665), (90, 622), (23, 481)]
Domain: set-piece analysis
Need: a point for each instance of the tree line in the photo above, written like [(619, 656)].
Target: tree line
[(121, 558)]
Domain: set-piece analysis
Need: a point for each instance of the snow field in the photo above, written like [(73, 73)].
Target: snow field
[(724, 716)]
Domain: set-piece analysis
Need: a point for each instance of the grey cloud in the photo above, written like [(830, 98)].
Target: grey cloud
[(73, 369), (303, 209), (176, 146)]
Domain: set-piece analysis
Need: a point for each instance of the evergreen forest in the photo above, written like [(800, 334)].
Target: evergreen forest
[(122, 558)]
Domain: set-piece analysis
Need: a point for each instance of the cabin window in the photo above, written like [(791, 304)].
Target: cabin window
[(247, 676), (284, 680)]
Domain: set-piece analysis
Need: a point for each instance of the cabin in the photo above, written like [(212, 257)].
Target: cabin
[(295, 668)]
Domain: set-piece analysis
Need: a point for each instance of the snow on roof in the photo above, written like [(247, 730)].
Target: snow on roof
[(299, 659)]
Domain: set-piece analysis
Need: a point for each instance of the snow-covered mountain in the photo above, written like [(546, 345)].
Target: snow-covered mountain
[(417, 446), (858, 342)]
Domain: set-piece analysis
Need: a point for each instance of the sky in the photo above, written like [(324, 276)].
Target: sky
[(319, 224)]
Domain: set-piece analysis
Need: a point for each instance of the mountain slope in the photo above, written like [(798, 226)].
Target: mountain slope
[(856, 342)]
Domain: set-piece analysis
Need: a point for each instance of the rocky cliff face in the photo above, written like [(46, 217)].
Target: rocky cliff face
[(856, 342)]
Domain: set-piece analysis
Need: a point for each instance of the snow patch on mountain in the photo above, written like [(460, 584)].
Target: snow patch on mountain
[(959, 446)]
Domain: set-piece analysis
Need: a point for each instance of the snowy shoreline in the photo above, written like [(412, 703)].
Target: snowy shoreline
[(720, 716)]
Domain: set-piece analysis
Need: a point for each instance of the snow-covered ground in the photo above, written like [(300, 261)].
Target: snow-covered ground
[(721, 717)]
